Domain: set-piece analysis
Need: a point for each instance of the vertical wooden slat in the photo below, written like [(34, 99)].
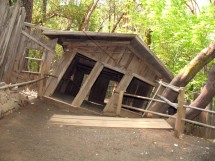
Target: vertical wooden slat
[(42, 83)]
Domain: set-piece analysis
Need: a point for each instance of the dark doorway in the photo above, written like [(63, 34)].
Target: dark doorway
[(140, 88), (74, 77), (104, 86)]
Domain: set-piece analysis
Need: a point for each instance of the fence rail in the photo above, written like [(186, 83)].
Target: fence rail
[(180, 106), (21, 84)]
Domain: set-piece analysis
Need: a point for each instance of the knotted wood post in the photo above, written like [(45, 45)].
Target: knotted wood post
[(179, 125), (119, 104)]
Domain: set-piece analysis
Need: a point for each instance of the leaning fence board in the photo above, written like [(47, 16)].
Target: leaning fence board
[(38, 42), (96, 121)]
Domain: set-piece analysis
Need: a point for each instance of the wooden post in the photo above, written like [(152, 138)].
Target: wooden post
[(42, 84), (179, 125), (119, 105)]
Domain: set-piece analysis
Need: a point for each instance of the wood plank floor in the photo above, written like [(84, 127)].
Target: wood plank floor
[(96, 121)]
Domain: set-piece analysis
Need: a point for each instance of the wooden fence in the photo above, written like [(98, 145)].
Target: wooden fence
[(18, 41), (181, 108)]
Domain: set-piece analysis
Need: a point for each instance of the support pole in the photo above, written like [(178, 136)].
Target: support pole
[(119, 105), (179, 125)]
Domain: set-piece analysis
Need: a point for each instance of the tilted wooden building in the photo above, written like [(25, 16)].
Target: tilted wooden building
[(94, 64)]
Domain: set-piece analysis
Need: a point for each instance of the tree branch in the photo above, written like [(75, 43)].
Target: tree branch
[(87, 17), (190, 8), (118, 21)]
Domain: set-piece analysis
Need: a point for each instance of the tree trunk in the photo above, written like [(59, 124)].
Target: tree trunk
[(44, 7), (118, 21), (28, 4), (205, 97), (185, 76), (87, 17)]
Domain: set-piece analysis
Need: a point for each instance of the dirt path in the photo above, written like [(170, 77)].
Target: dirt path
[(26, 135)]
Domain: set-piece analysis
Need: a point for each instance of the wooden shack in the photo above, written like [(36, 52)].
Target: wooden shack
[(96, 66)]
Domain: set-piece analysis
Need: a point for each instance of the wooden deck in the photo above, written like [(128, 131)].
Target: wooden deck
[(96, 121)]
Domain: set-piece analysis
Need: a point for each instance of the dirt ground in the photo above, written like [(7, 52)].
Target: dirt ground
[(27, 135)]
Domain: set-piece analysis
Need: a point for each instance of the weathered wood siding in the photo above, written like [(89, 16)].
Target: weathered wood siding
[(11, 20)]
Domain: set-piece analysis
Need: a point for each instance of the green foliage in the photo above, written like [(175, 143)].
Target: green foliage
[(34, 65), (177, 34)]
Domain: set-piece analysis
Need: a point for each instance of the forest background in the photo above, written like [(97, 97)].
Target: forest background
[(175, 30)]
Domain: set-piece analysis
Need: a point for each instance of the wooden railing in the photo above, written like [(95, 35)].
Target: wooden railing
[(22, 84), (180, 106)]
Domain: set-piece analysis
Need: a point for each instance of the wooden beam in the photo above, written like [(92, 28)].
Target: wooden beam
[(30, 72), (36, 26), (145, 80), (90, 34), (38, 42), (93, 43), (123, 71), (85, 89), (114, 68), (37, 59), (119, 105), (42, 84), (60, 69)]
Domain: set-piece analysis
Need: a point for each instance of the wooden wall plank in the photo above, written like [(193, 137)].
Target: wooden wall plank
[(6, 41), (15, 43)]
